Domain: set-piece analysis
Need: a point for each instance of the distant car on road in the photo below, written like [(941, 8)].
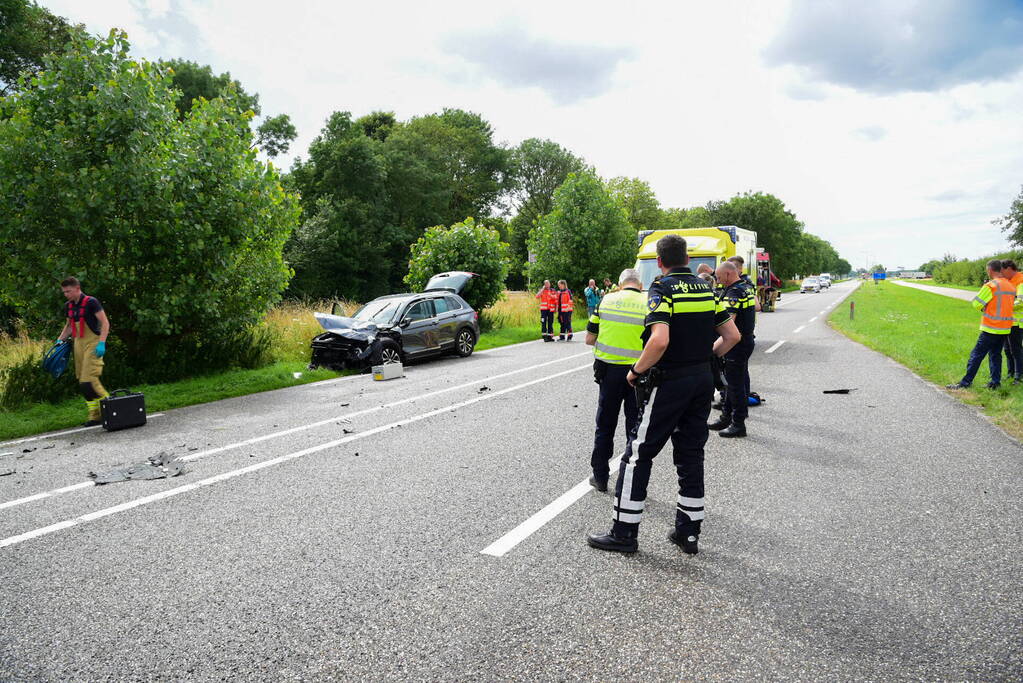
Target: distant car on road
[(825, 280), (400, 327), (810, 284)]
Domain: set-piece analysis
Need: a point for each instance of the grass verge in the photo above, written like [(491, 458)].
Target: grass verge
[(931, 335)]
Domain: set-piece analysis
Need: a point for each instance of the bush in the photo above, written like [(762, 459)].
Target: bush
[(969, 273), (174, 224), (463, 246)]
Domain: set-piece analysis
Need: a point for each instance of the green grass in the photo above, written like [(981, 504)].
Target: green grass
[(931, 335), (45, 417)]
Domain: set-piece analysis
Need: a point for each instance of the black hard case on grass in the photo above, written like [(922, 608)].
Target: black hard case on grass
[(123, 409)]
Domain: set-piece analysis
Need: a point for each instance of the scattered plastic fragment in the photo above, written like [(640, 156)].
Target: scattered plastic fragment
[(484, 388), (4, 473), (838, 391), (296, 375), (348, 431), (28, 450), (345, 405), (159, 466), (52, 445)]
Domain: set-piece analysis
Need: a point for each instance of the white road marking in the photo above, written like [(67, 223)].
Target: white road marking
[(69, 431), (284, 432), (775, 347), (523, 531), (812, 319), (169, 493), (799, 329)]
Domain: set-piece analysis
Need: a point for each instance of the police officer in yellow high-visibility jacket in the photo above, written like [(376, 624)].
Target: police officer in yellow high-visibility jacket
[(615, 330), (996, 299)]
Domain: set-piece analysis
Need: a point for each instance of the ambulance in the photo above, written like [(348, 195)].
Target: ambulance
[(705, 245)]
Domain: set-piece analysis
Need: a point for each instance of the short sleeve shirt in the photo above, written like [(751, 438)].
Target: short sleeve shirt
[(687, 305), (92, 309)]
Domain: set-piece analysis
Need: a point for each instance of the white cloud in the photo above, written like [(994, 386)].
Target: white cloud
[(694, 109)]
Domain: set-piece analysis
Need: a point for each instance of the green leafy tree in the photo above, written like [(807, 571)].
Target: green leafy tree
[(584, 236), (197, 82), (638, 202), (778, 230), (686, 219), (28, 33), (174, 223), (1012, 222), (462, 246)]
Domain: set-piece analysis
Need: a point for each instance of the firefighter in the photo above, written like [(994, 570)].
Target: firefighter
[(565, 308), (996, 299), (615, 330), (88, 324), (739, 301), (548, 305), (1014, 341), (684, 326)]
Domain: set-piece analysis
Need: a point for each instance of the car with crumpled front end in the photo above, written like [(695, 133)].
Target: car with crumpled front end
[(400, 327)]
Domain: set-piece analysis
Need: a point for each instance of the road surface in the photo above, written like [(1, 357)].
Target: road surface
[(963, 294), (434, 527)]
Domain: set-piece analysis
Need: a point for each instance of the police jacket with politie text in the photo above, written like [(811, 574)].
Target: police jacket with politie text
[(686, 303)]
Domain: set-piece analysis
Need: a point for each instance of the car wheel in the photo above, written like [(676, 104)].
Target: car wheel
[(389, 352), (465, 343)]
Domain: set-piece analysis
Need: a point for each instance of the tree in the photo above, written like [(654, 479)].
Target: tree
[(584, 236), (462, 246), (684, 219), (538, 168), (878, 268), (638, 202), (28, 33), (778, 230), (174, 223), (1012, 222), (198, 82)]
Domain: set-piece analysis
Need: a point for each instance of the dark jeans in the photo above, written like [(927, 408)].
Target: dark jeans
[(1014, 353), (614, 391), (677, 410), (547, 323), (989, 345), (736, 404)]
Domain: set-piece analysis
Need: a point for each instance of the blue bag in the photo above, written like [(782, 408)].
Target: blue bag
[(56, 359)]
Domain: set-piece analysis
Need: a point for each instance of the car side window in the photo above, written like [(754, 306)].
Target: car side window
[(420, 310), (440, 306), (453, 303)]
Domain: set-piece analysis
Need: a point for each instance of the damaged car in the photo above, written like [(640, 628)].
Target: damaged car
[(400, 327)]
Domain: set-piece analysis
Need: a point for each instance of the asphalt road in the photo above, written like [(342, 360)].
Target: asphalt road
[(963, 294), (872, 535)]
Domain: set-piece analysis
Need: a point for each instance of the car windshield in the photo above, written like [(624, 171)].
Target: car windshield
[(648, 269), (810, 281), (380, 311)]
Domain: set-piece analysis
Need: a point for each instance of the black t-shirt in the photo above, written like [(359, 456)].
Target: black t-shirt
[(92, 308), (740, 302), (687, 305)]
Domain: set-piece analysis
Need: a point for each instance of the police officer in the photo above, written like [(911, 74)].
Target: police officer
[(615, 330), (684, 326), (740, 302)]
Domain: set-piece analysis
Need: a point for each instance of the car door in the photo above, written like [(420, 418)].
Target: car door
[(447, 322), (419, 328)]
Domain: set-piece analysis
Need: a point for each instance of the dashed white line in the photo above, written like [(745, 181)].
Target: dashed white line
[(284, 432), (799, 329), (775, 347), (812, 319), (54, 435), (177, 491)]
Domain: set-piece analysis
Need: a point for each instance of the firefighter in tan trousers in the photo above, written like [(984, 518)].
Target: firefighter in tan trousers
[(88, 325)]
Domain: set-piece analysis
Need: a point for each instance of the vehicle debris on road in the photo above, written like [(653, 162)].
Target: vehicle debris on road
[(838, 391), (160, 466)]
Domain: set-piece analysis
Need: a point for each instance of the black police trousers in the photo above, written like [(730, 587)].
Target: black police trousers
[(736, 403), (677, 410), (614, 391), (1014, 353)]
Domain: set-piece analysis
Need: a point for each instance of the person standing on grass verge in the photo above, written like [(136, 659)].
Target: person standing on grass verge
[(593, 296), (548, 305), (88, 325), (1014, 342), (565, 308), (996, 299)]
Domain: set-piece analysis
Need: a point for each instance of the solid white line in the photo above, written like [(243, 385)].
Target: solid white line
[(799, 329), (69, 431), (284, 432), (523, 531), (812, 319), (775, 347), (169, 493)]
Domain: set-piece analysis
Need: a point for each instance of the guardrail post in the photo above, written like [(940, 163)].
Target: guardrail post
[(852, 310)]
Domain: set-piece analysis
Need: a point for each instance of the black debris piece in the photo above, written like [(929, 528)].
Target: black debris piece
[(575, 405), (345, 405), (160, 466), (4, 473), (484, 388), (356, 454), (838, 391), (347, 431), (194, 448), (28, 450)]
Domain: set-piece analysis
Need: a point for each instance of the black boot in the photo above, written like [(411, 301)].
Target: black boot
[(613, 543), (722, 422), (599, 483), (688, 542), (737, 429)]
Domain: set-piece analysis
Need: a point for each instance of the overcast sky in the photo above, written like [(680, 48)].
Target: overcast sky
[(892, 128)]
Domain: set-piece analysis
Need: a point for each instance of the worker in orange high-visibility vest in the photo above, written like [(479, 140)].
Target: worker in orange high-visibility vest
[(1014, 341), (565, 308), (996, 300), (548, 307)]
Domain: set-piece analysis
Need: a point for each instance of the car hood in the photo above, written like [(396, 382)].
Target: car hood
[(349, 328)]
